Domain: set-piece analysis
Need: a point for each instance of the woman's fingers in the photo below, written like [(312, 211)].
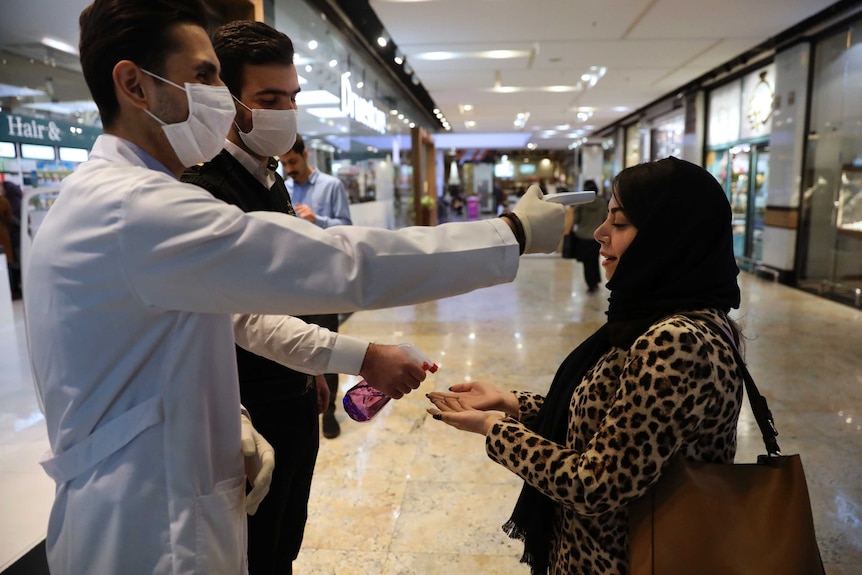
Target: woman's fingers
[(437, 395), (447, 403)]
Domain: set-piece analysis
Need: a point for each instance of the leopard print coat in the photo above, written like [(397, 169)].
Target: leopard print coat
[(677, 389)]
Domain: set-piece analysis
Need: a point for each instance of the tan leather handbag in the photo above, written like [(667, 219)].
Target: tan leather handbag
[(727, 519)]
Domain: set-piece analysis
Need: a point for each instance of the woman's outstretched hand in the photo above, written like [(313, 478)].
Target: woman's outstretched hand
[(452, 411), (479, 395), (472, 406)]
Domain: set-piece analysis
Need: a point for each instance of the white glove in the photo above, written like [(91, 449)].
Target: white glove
[(543, 222), (259, 464)]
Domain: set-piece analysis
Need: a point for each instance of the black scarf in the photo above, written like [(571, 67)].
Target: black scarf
[(681, 259)]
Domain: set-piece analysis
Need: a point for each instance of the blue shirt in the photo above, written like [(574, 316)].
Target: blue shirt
[(326, 197)]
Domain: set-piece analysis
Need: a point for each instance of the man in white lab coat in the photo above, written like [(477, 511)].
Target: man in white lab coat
[(134, 275), (257, 67)]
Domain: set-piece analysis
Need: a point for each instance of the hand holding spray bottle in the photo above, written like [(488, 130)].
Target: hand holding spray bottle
[(362, 402)]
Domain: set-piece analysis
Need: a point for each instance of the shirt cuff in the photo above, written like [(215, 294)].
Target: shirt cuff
[(348, 354)]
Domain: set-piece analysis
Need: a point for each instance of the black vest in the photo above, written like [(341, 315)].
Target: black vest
[(260, 380)]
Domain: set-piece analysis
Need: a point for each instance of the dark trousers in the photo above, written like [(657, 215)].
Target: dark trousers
[(330, 322), (275, 531), (588, 250)]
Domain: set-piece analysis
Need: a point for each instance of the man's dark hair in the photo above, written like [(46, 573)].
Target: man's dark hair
[(298, 146), (245, 42), (136, 30)]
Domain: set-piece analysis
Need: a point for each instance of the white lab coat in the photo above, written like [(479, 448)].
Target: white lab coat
[(132, 278), (299, 345)]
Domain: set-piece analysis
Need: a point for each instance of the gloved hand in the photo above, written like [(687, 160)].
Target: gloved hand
[(543, 222), (259, 464)]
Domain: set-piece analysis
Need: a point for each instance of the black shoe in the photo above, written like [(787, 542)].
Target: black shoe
[(331, 429)]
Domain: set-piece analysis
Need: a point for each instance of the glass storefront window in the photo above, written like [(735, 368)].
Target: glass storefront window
[(829, 259), (633, 146), (355, 117), (667, 136), (739, 186)]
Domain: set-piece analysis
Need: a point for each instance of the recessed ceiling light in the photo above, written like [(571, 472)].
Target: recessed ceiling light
[(435, 56), (312, 45), (502, 54), (333, 63), (59, 45), (382, 41)]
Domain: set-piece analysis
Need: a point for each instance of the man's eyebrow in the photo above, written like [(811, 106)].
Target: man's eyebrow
[(615, 210), (274, 92), (207, 66)]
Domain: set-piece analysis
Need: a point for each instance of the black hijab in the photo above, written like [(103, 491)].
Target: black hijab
[(681, 259)]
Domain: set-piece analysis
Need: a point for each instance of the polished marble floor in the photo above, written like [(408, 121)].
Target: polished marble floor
[(404, 494)]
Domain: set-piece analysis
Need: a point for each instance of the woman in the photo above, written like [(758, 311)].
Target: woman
[(656, 380)]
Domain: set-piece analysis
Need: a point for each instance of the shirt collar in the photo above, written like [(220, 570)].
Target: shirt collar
[(255, 167), (312, 178), (148, 160)]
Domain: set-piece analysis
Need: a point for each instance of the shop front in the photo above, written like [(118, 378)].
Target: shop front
[(829, 255), (738, 130), (37, 151), (358, 123)]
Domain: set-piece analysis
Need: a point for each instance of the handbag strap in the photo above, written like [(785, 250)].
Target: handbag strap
[(762, 414)]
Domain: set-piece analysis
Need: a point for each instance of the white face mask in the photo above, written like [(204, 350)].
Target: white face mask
[(201, 136), (273, 132)]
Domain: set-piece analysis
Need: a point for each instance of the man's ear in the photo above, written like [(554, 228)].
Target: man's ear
[(129, 85)]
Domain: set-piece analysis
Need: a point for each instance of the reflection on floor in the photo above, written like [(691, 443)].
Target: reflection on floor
[(404, 494)]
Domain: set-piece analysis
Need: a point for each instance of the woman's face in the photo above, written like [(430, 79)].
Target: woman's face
[(615, 235)]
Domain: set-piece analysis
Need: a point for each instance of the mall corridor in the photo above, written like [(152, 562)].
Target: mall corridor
[(405, 494)]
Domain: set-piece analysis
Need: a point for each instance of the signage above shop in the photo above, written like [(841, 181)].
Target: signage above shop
[(741, 110), (760, 104), (29, 130), (360, 109)]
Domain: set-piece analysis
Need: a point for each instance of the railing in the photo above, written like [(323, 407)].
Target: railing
[(757, 268), (833, 287)]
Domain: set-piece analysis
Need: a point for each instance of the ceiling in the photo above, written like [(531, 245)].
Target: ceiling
[(549, 60), (510, 57)]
